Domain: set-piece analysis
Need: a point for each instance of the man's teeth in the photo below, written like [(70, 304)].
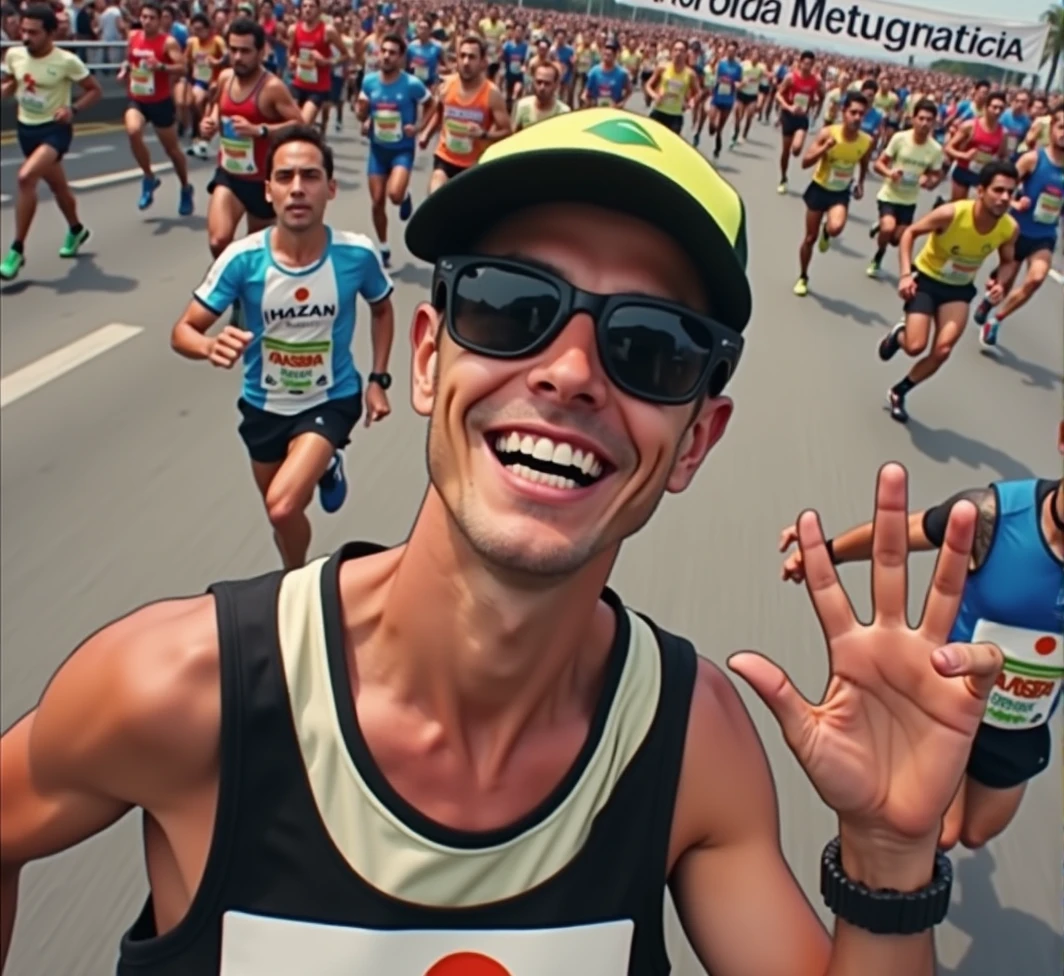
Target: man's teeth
[(544, 449)]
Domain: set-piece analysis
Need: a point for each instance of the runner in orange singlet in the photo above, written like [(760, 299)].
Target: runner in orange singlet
[(470, 114)]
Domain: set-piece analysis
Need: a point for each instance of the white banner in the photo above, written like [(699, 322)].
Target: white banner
[(891, 28)]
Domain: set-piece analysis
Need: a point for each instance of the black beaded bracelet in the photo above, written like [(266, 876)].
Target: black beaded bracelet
[(885, 911)]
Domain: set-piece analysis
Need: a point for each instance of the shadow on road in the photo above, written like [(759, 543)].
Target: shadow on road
[(163, 225), (839, 306), (84, 275), (943, 446), (1033, 374), (856, 218), (1004, 940)]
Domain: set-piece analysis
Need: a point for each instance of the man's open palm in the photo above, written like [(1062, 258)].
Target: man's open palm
[(887, 746)]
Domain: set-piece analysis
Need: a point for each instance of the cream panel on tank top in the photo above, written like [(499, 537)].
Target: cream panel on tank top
[(387, 853)]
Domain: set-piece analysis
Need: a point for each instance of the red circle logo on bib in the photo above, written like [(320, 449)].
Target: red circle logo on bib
[(1045, 645), (467, 964)]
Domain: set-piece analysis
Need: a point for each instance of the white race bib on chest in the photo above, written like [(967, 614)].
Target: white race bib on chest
[(1028, 685), (254, 945)]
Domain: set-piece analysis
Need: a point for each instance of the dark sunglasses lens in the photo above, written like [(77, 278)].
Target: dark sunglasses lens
[(502, 311), (658, 353)]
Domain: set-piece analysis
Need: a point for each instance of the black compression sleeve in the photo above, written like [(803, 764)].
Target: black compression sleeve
[(935, 518)]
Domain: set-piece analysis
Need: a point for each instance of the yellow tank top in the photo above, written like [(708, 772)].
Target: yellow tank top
[(674, 87), (835, 170), (1043, 123), (955, 255)]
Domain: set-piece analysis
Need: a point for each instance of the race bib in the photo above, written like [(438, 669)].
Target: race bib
[(201, 70), (421, 72), (910, 177), (604, 100), (259, 946), (1028, 685), (961, 270), (801, 102), (237, 152), (456, 138), (840, 176), (296, 367), (307, 70), (980, 160), (1047, 207), (33, 102), (516, 66), (1011, 142), (387, 125), (141, 82), (724, 88)]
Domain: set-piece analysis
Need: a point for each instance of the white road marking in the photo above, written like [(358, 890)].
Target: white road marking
[(4, 198), (122, 176), (1057, 276), (32, 377)]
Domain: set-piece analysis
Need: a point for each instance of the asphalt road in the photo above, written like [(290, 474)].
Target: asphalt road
[(123, 480)]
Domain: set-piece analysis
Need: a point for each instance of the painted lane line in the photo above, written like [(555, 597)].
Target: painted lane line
[(122, 176), (24, 381), (4, 198), (1057, 276)]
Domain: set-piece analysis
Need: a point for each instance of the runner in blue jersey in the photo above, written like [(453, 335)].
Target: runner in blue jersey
[(388, 107), (565, 55), (608, 84), (298, 285), (1014, 598), (726, 83), (1038, 211), (424, 55), (514, 59), (1016, 121)]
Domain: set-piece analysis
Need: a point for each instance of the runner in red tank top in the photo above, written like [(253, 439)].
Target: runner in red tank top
[(975, 143), (153, 60), (311, 58), (798, 96), (252, 104)]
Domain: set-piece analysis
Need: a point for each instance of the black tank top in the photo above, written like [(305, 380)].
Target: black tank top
[(317, 866)]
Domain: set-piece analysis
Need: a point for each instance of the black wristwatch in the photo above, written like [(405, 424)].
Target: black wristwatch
[(264, 130), (383, 380), (885, 912)]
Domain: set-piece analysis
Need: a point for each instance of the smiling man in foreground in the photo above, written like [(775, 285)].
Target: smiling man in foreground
[(464, 754)]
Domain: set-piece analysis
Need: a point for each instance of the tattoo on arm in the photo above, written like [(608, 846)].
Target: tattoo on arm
[(986, 503)]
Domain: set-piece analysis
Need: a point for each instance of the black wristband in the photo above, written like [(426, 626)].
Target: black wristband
[(885, 911), (830, 546)]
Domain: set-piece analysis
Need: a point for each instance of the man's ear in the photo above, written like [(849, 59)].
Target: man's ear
[(702, 433), (424, 332)]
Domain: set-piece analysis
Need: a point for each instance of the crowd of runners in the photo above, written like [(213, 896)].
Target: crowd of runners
[(536, 122)]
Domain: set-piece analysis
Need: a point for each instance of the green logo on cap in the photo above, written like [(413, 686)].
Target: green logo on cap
[(623, 132)]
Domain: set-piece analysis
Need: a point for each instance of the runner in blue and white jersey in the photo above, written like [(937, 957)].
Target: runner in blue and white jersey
[(298, 286), (393, 107)]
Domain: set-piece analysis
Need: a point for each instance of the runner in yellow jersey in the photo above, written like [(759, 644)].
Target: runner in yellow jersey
[(746, 96), (960, 237), (493, 30), (672, 89), (840, 154), (206, 56), (40, 76), (912, 161)]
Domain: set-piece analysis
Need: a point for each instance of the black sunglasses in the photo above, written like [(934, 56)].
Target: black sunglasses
[(652, 349)]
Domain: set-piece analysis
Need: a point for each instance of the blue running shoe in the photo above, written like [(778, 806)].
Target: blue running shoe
[(186, 206), (406, 208), (332, 488), (148, 186)]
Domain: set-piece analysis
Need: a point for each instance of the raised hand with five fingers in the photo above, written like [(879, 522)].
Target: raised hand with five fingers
[(887, 745)]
